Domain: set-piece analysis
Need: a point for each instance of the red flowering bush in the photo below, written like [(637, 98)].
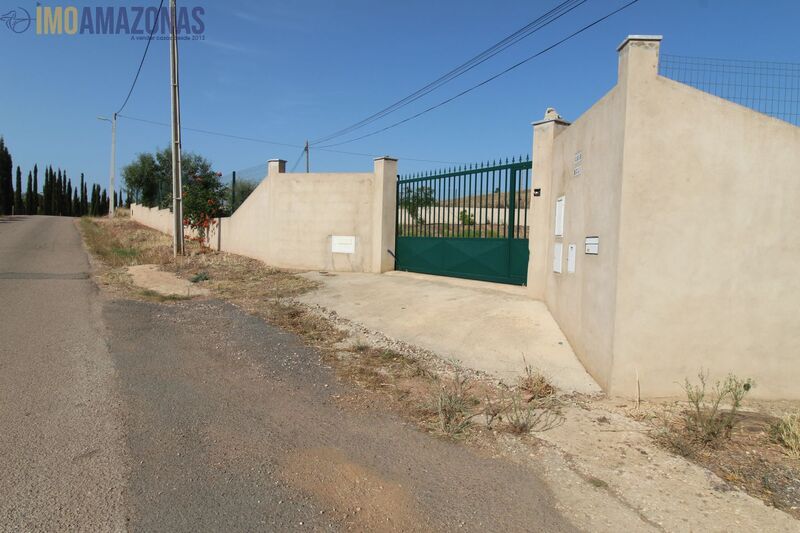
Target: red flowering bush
[(203, 203)]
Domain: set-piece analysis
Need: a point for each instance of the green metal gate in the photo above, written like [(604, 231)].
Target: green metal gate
[(467, 222)]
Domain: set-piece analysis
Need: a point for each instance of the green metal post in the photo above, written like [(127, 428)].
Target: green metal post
[(512, 186)]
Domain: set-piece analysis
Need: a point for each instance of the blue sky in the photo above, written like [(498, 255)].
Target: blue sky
[(291, 70)]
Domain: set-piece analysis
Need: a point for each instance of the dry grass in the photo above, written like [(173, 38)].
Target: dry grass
[(535, 384), (786, 432), (455, 406), (120, 243), (441, 397)]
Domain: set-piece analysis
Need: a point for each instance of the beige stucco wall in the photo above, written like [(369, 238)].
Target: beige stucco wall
[(710, 258), (289, 219), (581, 302), (695, 200), (153, 217)]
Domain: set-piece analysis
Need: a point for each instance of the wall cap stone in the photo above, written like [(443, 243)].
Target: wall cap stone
[(630, 38)]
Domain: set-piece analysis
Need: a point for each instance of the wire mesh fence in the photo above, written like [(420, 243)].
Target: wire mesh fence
[(239, 184), (767, 87)]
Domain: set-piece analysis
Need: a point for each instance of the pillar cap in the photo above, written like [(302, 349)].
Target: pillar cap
[(548, 120), (551, 115), (386, 157), (630, 38), (275, 160)]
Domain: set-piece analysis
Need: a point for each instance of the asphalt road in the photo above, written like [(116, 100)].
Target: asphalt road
[(194, 416)]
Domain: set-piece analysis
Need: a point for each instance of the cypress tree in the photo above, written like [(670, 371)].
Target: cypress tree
[(29, 206), (50, 191), (76, 203), (19, 207), (35, 189), (6, 177), (83, 196), (46, 192), (68, 199), (95, 201), (66, 196), (56, 208), (48, 195)]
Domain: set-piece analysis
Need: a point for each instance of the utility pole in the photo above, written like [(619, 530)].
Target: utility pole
[(177, 197), (307, 157), (112, 171)]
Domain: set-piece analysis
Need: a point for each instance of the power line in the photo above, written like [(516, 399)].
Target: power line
[(484, 82), (216, 133), (532, 27), (397, 156), (300, 158), (263, 141), (144, 56)]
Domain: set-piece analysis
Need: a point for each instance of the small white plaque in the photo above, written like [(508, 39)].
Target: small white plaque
[(343, 244), (571, 258), (558, 257), (592, 245)]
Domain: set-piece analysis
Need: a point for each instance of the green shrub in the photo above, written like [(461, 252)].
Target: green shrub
[(466, 218), (453, 405), (707, 421)]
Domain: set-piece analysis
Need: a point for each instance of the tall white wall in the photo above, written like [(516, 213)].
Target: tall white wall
[(695, 201), (289, 220)]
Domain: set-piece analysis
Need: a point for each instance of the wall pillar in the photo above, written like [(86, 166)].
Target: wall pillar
[(542, 206), (276, 166), (384, 206)]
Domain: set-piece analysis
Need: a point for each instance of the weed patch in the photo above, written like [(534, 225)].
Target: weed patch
[(786, 432)]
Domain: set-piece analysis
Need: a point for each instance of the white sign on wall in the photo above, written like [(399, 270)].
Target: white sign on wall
[(571, 250), (592, 245), (343, 244), (558, 257), (559, 224)]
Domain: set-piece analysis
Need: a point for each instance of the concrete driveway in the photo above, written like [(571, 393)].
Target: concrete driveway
[(485, 326)]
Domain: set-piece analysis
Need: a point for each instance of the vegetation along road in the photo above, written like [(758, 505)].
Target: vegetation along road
[(123, 414)]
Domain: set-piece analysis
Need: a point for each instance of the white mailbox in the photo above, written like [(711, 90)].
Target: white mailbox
[(559, 222), (571, 252), (592, 245), (558, 257)]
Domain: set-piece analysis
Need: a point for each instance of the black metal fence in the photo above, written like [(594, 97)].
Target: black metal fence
[(478, 201), (767, 87)]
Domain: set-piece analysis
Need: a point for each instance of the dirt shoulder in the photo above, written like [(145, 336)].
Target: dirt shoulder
[(600, 457)]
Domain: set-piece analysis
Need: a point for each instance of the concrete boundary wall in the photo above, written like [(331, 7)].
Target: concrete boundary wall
[(153, 217), (695, 202), (308, 221)]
